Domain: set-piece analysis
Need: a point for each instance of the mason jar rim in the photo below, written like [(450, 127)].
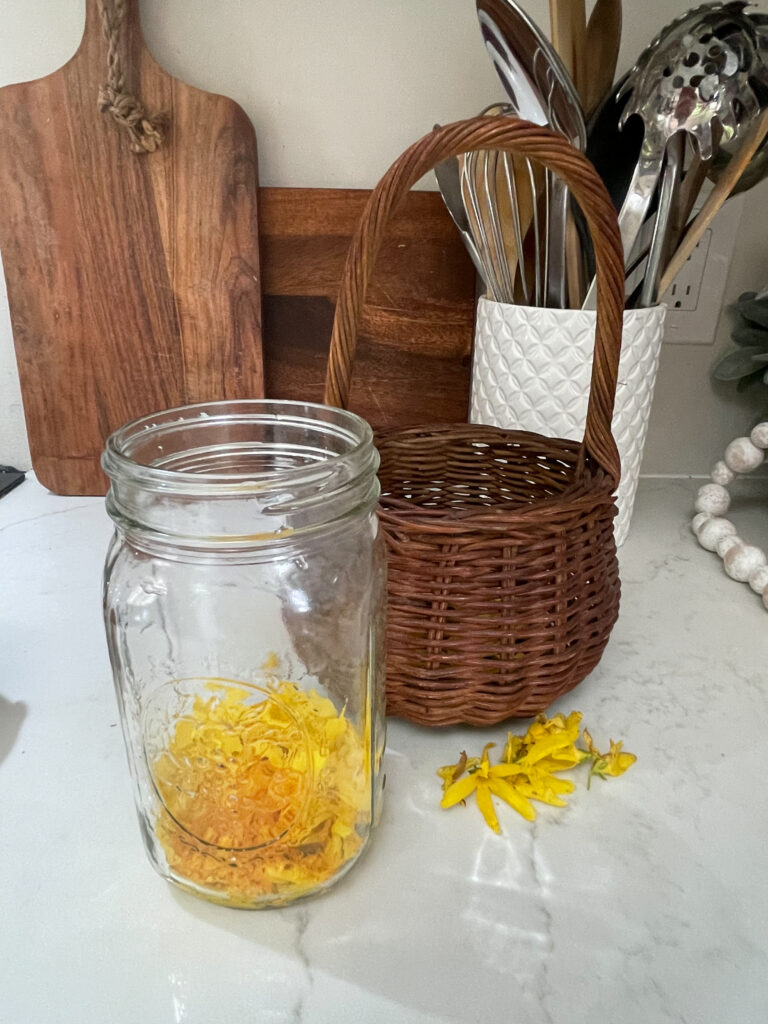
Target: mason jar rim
[(117, 463)]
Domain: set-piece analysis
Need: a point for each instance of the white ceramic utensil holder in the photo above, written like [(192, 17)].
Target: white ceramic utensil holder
[(531, 370)]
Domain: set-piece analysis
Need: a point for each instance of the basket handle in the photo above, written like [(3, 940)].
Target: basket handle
[(557, 155)]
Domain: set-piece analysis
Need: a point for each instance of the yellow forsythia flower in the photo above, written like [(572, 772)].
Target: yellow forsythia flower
[(261, 792), (482, 780), (612, 764), (529, 767)]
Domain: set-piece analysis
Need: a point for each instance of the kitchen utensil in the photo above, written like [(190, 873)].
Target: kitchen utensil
[(479, 228), (757, 168), (487, 174), (484, 194), (448, 174), (697, 171), (539, 90), (670, 177), (529, 186), (614, 148), (614, 152), (568, 25), (721, 191), (568, 30), (755, 171), (712, 55), (602, 47), (133, 280), (502, 575), (479, 217), (687, 193), (516, 200), (508, 198), (695, 72)]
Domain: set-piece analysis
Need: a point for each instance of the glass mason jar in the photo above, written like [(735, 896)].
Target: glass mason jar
[(244, 601)]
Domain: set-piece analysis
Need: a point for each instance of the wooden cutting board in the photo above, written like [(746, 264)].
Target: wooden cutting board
[(133, 280), (413, 357)]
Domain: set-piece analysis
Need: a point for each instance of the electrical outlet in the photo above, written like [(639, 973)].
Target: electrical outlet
[(685, 290), (695, 298)]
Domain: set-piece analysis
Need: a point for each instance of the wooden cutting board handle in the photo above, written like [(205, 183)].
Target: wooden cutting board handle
[(133, 280), (120, 26)]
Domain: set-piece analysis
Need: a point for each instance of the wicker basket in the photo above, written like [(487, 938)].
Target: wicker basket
[(503, 581)]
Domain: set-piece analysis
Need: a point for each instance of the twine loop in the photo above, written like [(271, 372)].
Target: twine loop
[(127, 110)]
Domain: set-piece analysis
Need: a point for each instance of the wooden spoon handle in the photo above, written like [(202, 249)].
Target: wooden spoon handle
[(602, 47), (568, 22), (715, 200), (685, 200)]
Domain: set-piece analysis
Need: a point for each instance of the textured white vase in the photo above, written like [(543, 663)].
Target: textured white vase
[(531, 371)]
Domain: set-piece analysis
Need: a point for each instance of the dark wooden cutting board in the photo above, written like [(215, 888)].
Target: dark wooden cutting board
[(413, 357), (133, 280)]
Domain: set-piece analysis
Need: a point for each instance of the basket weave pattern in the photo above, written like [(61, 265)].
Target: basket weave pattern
[(503, 581)]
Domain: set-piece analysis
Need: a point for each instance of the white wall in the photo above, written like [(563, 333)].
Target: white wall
[(336, 89)]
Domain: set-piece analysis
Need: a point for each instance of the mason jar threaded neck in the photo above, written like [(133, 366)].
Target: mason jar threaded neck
[(240, 470)]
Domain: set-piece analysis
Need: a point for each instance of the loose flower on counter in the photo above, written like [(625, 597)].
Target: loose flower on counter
[(529, 768)]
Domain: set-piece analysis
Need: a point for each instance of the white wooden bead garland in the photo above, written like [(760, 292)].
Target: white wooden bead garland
[(743, 562)]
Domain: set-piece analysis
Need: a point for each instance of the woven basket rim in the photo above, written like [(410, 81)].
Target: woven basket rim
[(493, 518), (580, 492)]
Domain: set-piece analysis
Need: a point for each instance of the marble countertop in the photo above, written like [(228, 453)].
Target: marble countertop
[(644, 902)]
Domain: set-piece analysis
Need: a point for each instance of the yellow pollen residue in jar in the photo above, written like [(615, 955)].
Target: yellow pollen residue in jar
[(262, 800)]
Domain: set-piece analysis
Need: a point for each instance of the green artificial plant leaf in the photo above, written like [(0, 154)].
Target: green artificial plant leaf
[(737, 364), (751, 336), (755, 312), (743, 383)]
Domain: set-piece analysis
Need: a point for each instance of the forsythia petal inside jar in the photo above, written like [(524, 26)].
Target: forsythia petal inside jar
[(244, 595), (260, 794)]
